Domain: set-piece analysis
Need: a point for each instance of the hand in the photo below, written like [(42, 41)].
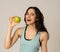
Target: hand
[(12, 23)]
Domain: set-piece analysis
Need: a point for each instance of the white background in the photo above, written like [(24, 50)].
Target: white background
[(50, 10)]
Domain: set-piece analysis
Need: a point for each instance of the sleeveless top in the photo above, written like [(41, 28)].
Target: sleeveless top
[(27, 45)]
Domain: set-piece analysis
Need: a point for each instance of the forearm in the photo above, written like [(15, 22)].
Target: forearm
[(8, 37)]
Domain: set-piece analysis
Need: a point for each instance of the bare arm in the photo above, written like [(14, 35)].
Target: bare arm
[(44, 39), (16, 35), (9, 41)]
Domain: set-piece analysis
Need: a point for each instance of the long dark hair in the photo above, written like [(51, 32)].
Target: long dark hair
[(39, 23)]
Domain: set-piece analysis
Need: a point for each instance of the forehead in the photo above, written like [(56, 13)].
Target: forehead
[(31, 11)]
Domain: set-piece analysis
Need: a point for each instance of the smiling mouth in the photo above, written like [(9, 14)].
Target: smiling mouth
[(28, 20)]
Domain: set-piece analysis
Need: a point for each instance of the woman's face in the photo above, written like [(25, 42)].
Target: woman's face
[(30, 17)]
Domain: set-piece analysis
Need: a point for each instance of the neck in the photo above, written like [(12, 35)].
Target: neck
[(31, 27)]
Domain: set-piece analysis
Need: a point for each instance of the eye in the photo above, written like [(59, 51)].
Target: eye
[(32, 14)]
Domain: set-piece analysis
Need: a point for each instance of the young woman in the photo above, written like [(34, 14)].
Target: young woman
[(32, 36)]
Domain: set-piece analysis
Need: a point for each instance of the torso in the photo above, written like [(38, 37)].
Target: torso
[(29, 45), (28, 35)]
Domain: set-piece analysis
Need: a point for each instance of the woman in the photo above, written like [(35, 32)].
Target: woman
[(32, 36)]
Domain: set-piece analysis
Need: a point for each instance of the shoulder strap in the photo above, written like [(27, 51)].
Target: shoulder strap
[(23, 31)]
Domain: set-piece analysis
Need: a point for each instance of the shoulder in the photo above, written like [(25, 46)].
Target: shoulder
[(19, 28), (44, 36), (19, 31)]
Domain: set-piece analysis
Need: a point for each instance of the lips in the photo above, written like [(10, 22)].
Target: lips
[(28, 20)]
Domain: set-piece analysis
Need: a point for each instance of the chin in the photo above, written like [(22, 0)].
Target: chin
[(28, 23)]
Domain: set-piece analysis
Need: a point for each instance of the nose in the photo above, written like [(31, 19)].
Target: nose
[(29, 16)]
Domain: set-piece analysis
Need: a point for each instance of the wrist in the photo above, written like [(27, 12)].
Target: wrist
[(10, 27)]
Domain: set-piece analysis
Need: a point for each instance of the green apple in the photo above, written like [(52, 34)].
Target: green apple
[(17, 19)]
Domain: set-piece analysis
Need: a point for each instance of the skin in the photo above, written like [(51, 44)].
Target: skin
[(10, 41)]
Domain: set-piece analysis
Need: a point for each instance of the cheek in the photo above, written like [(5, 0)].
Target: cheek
[(26, 16), (33, 19)]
